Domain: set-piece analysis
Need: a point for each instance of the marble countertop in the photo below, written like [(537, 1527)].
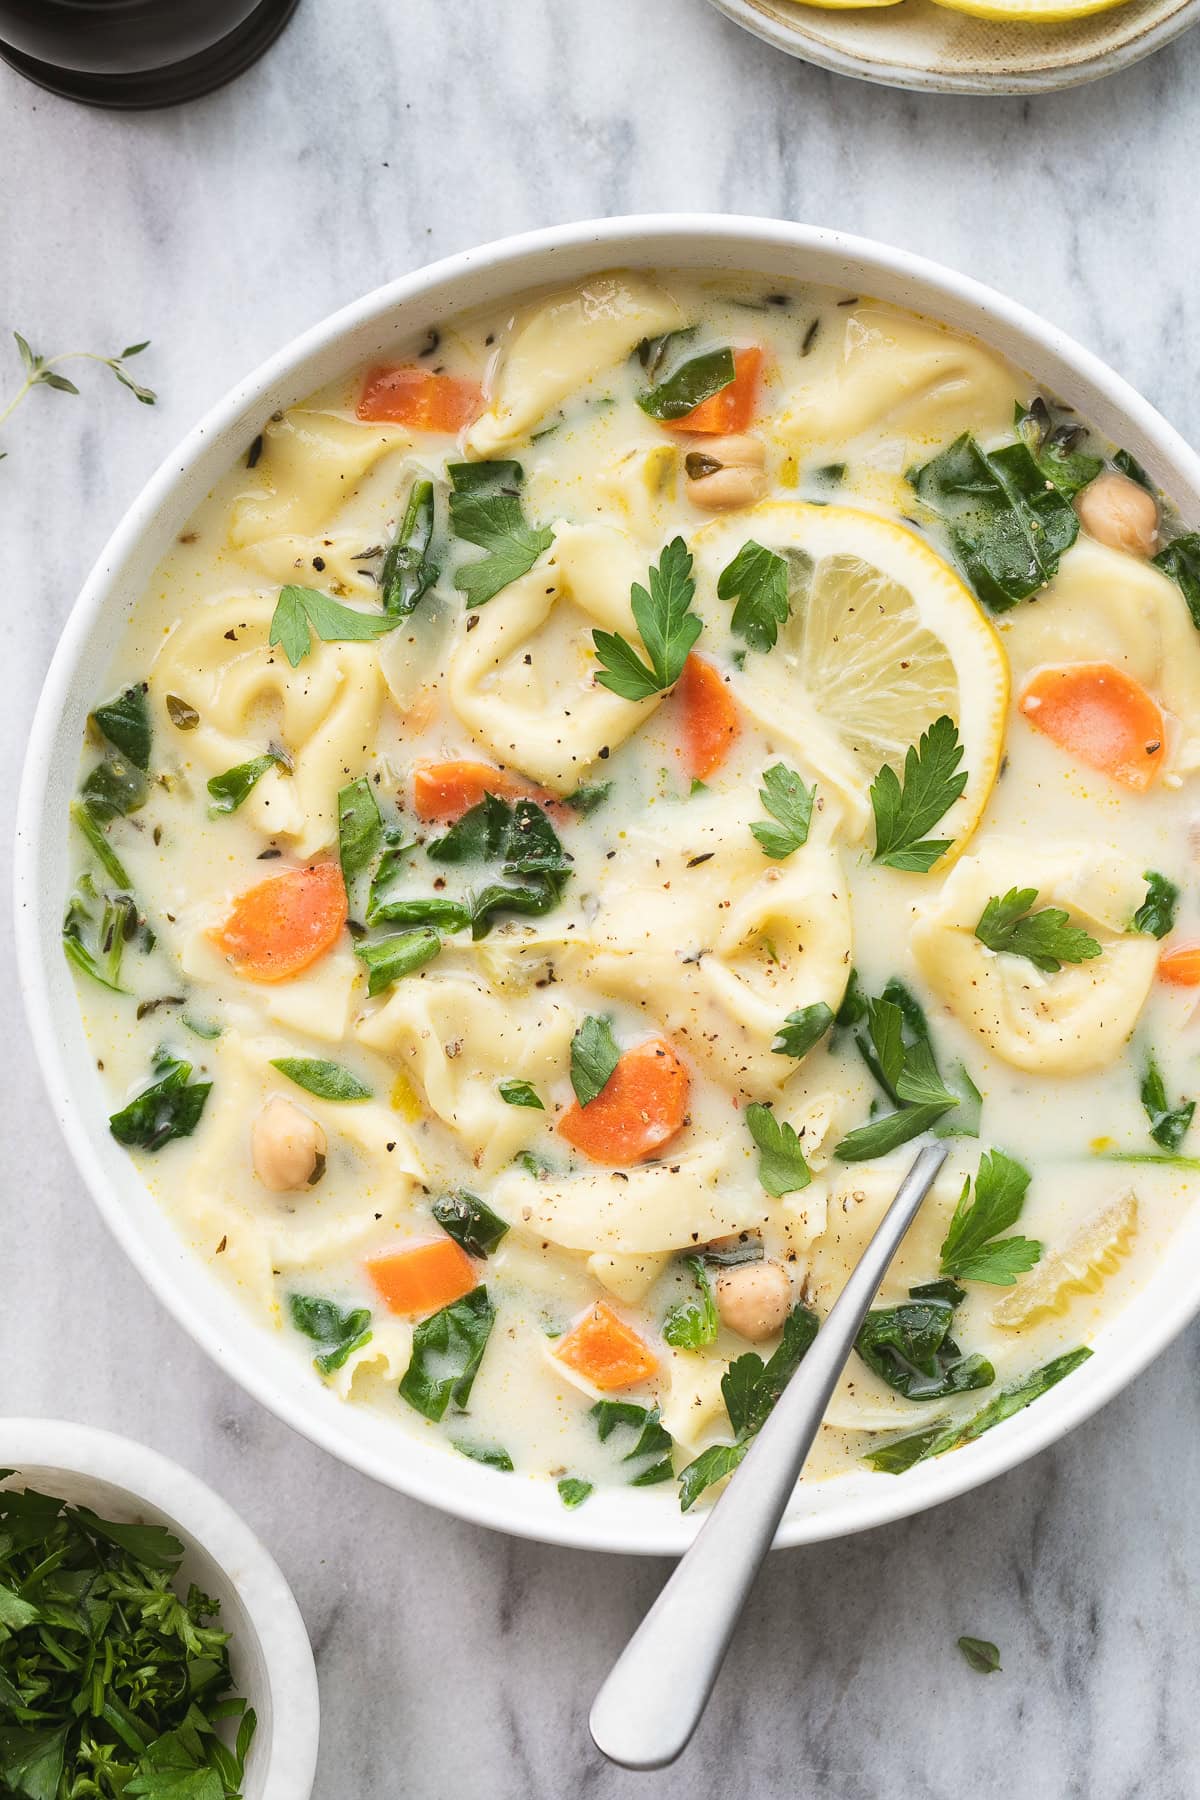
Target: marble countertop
[(375, 136)]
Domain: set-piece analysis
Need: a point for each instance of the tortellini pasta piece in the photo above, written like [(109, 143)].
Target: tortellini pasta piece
[(319, 1003), (384, 1359), (890, 373), (1066, 1023), (311, 462), (630, 1278), (455, 1039), (561, 344), (693, 1406), (324, 713), (522, 678), (856, 1197), (1105, 605)]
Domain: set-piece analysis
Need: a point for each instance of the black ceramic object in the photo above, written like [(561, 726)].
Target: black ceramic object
[(137, 53)]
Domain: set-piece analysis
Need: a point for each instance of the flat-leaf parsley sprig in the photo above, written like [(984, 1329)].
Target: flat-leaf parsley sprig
[(905, 809), (666, 624), (43, 371)]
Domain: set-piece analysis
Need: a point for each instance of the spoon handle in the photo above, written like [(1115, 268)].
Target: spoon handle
[(652, 1701)]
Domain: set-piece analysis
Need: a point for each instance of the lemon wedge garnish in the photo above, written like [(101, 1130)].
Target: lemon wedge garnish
[(883, 639), (1030, 12), (1080, 1268)]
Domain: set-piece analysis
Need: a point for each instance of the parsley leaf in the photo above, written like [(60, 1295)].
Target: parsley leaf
[(653, 1439), (1168, 1125), (802, 1029), (300, 611), (898, 1050), (788, 800), (485, 509), (338, 1333), (967, 1252), (904, 1453), (1046, 938), (520, 1093), (979, 1655), (573, 1492), (692, 1323), (409, 570), (446, 1353), (594, 1057), (1156, 915), (781, 1165), (228, 790), (667, 626), (905, 811), (759, 580), (750, 1389)]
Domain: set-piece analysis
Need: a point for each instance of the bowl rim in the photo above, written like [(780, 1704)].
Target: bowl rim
[(798, 40), (479, 1495), (211, 1524)]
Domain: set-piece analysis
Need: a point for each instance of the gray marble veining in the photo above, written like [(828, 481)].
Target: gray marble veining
[(456, 1664)]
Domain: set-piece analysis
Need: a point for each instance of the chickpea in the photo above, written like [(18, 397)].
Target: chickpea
[(728, 472), (753, 1299), (287, 1146), (1120, 513)]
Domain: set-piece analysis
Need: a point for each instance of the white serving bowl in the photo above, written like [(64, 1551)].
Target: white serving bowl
[(269, 1653), (622, 1519)]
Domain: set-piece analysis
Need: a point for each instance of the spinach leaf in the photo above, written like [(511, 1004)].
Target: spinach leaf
[(300, 611), (687, 384), (447, 1351), (521, 838), (395, 847), (470, 1221), (652, 1439), (228, 790), (360, 829), (1181, 562), (782, 1168), (1008, 524), (434, 910), (880, 1136), (338, 1333), (906, 809), (973, 1249), (750, 1389), (327, 1080), (485, 509), (125, 722), (594, 1058), (979, 1655), (904, 1453), (1054, 448), (1168, 1125), (390, 959), (409, 569), (1156, 915), (114, 788), (100, 958), (803, 1029), (692, 1323), (588, 798), (491, 1455), (786, 798), (910, 1348), (573, 1492), (169, 1108), (520, 1093), (92, 829), (759, 580)]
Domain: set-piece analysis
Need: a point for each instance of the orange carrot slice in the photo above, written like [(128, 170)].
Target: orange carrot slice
[(641, 1108), (1100, 715), (732, 407), (422, 1278), (447, 790), (605, 1351), (280, 927), (420, 399), (1180, 965), (711, 721)]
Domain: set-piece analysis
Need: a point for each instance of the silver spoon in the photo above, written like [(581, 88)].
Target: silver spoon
[(651, 1703)]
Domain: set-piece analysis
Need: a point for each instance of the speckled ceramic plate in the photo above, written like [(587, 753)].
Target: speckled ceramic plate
[(920, 45)]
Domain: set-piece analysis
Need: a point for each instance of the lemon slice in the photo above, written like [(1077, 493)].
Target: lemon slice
[(1030, 12), (1092, 1254), (883, 639)]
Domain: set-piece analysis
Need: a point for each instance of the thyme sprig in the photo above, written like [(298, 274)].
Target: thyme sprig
[(43, 371)]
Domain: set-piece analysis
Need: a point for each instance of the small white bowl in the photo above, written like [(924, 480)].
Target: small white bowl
[(269, 1652), (642, 1521)]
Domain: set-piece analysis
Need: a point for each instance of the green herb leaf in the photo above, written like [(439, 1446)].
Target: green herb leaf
[(803, 1029), (594, 1057), (760, 582), (1168, 1125), (1008, 523), (338, 1333), (300, 611), (447, 1351), (693, 1323), (781, 1165), (688, 384), (979, 1655), (390, 959), (1181, 562), (573, 1492), (521, 838), (228, 790), (1053, 447), (1156, 915), (750, 1389), (114, 788), (360, 829), (92, 829), (125, 722), (905, 811), (169, 1108), (1046, 938), (712, 1465), (919, 1082), (788, 800), (967, 1252), (101, 958), (492, 1456), (910, 1348), (904, 1453), (409, 569), (444, 915), (470, 1221), (485, 509), (327, 1080), (520, 1093), (586, 799), (880, 1136), (652, 1439), (666, 624)]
